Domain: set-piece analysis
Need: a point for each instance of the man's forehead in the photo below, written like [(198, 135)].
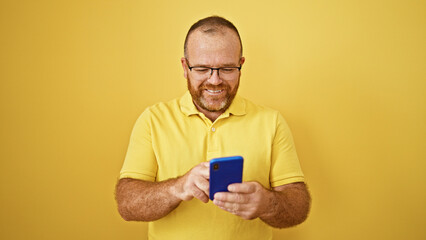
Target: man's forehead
[(206, 40)]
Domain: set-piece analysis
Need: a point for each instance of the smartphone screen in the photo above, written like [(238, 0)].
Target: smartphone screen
[(224, 171)]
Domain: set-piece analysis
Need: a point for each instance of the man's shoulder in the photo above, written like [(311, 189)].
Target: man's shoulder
[(166, 107)]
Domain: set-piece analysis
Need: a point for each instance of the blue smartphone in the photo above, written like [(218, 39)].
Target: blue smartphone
[(224, 171)]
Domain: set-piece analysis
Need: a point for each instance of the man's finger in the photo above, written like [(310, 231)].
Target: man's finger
[(202, 196), (199, 194), (204, 170), (245, 187), (202, 184), (232, 197), (230, 207), (205, 173)]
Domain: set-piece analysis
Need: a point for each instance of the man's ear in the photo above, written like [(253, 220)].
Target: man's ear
[(242, 60), (185, 67)]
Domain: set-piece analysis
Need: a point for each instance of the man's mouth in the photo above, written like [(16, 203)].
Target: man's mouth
[(214, 92)]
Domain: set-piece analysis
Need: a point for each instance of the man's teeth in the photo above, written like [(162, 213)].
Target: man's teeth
[(214, 91)]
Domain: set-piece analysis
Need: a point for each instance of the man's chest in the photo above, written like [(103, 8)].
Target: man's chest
[(180, 146)]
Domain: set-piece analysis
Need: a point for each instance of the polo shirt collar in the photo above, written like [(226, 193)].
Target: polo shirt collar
[(238, 106), (186, 104)]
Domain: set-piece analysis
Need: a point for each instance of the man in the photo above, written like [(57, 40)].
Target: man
[(165, 176)]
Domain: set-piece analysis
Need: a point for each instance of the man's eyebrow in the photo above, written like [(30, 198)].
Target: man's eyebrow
[(201, 65), (229, 65), (221, 65)]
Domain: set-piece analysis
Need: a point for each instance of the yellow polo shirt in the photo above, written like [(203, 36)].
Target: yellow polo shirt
[(170, 138)]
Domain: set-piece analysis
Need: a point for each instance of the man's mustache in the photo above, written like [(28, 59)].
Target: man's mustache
[(214, 87)]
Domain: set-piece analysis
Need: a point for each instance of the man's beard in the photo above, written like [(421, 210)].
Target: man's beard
[(202, 102)]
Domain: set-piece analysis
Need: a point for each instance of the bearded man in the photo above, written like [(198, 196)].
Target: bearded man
[(165, 175)]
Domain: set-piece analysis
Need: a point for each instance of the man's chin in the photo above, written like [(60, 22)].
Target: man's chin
[(214, 107)]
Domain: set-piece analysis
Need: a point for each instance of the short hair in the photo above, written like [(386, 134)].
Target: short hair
[(212, 24)]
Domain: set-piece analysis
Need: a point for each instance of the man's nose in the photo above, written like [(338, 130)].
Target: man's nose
[(214, 77)]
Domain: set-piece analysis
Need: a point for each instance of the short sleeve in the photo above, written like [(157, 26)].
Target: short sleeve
[(285, 166), (140, 161)]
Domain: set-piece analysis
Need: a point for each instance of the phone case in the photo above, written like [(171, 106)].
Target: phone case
[(224, 171)]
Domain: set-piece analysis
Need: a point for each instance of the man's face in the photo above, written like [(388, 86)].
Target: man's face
[(213, 94)]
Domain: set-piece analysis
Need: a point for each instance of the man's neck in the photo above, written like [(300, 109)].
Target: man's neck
[(210, 115)]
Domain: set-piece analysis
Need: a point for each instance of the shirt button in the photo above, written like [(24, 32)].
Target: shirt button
[(213, 129)]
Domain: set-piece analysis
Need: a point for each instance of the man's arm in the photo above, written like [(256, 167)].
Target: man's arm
[(140, 200), (284, 206)]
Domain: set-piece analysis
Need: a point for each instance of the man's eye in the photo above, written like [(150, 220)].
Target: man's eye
[(201, 70), (227, 70)]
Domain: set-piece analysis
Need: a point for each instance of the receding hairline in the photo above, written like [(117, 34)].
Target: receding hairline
[(213, 25)]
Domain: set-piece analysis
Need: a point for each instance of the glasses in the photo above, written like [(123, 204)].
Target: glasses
[(225, 73)]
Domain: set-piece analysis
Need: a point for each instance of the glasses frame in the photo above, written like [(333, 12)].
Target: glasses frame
[(211, 68)]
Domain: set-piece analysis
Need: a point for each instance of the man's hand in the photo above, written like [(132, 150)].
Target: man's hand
[(140, 200), (246, 199), (284, 206), (195, 183)]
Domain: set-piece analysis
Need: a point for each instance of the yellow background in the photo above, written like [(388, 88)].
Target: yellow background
[(349, 76)]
